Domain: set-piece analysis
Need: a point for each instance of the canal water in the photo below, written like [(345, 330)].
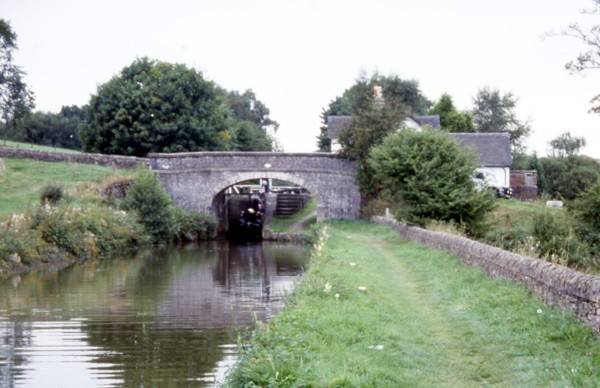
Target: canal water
[(163, 318)]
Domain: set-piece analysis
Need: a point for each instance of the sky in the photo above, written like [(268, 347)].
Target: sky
[(299, 55)]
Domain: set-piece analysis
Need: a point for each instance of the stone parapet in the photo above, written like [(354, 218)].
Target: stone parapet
[(557, 285)]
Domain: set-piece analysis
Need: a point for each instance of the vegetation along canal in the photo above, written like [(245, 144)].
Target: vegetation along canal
[(166, 317)]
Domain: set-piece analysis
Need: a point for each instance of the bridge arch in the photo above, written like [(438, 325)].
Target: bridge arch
[(194, 179)]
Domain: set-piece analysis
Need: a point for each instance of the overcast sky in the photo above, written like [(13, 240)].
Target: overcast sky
[(298, 55)]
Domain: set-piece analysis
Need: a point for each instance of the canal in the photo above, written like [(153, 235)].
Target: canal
[(167, 317)]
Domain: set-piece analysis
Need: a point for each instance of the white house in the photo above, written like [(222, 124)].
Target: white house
[(492, 148)]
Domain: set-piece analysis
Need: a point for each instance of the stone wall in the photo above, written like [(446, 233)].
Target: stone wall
[(194, 179), (116, 161), (558, 286)]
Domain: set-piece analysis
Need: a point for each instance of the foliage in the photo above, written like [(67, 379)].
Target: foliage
[(55, 129), (161, 220), (566, 145), (63, 231), (245, 107), (52, 194), (429, 177), (451, 119), (192, 226), (589, 59), (523, 161), (249, 137), (369, 127), (495, 112), (16, 100), (358, 99), (155, 106), (152, 204), (423, 320), (569, 176), (557, 241), (586, 212), (17, 237)]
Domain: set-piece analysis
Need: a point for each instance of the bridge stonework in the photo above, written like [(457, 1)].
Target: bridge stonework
[(194, 179)]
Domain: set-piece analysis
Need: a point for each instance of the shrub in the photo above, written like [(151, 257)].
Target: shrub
[(569, 176), (557, 241), (56, 228), (52, 194), (153, 206), (586, 213), (429, 177), (16, 236), (192, 226)]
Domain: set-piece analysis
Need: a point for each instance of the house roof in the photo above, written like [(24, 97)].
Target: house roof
[(336, 124), (492, 149), (433, 121)]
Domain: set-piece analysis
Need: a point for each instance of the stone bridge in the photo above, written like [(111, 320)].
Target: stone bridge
[(195, 179)]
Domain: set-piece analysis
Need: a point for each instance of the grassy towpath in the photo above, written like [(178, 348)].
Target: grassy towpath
[(422, 319)]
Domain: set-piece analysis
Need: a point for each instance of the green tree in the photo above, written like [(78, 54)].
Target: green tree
[(566, 145), (246, 107), (55, 129), (586, 211), (397, 92), (153, 106), (370, 124), (451, 119), (16, 100), (569, 176), (248, 137), (429, 177), (590, 58), (249, 122), (495, 112), (148, 198)]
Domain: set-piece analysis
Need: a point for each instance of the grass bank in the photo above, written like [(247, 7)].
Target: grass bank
[(83, 215), (375, 310), (23, 179), (298, 222), (36, 147)]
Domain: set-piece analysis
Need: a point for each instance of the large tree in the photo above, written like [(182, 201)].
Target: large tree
[(16, 100), (397, 93), (496, 112), (153, 106), (590, 58), (566, 145), (249, 122), (451, 119)]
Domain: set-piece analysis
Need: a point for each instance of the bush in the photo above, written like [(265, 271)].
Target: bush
[(52, 194), (192, 226), (586, 213), (153, 206), (17, 237), (569, 176), (429, 177), (90, 231), (556, 240)]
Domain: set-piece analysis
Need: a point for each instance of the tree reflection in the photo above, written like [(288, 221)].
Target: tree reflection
[(165, 318)]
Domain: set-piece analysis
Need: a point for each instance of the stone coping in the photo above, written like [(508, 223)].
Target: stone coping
[(243, 153)]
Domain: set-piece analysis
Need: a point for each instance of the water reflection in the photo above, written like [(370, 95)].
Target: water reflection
[(164, 318)]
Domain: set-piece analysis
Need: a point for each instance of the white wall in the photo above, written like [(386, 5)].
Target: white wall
[(496, 176)]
